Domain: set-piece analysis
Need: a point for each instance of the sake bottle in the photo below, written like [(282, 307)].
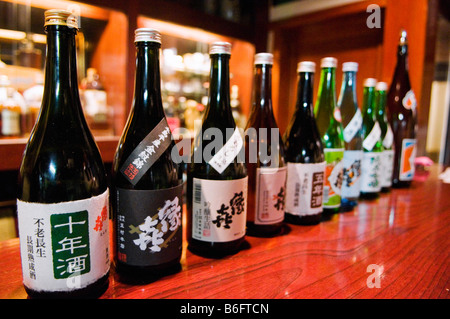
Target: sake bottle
[(217, 176), (372, 144), (352, 122), (387, 136), (147, 198), (304, 155), (328, 119), (402, 115), (266, 166), (63, 196)]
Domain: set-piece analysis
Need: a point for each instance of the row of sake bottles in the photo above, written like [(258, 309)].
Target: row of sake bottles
[(64, 196)]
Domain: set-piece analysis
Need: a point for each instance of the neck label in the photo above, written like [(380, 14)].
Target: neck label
[(147, 152), (353, 126), (228, 152), (373, 137)]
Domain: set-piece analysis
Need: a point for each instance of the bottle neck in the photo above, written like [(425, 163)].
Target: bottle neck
[(219, 90), (262, 93), (147, 87), (305, 87), (327, 89), (368, 99), (348, 89), (61, 82), (380, 103)]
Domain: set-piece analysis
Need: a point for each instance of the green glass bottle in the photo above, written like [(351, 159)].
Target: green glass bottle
[(328, 119), (147, 198), (387, 136), (266, 170), (372, 144), (217, 176), (63, 196), (352, 123), (304, 155)]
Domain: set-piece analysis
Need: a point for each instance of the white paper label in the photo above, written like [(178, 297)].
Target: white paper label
[(304, 188), (270, 195), (219, 209), (352, 173), (228, 152), (370, 172), (407, 157), (64, 246), (409, 100), (388, 138), (373, 137), (387, 168), (353, 126)]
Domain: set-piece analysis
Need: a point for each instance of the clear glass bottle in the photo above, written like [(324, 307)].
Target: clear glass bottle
[(352, 123), (328, 119)]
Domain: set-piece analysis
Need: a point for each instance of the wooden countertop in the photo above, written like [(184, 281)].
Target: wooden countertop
[(404, 234)]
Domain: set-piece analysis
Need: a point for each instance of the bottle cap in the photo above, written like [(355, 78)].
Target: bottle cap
[(147, 35), (370, 82), (306, 66), (220, 48), (349, 67), (263, 58), (60, 17), (328, 62), (381, 86)]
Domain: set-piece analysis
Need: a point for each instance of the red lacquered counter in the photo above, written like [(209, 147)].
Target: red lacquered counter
[(396, 246)]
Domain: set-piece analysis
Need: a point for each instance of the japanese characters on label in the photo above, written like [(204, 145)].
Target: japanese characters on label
[(373, 137), (334, 175), (219, 211), (149, 225), (304, 195), (353, 126), (228, 152), (370, 172), (147, 152), (270, 195), (65, 245), (387, 168), (352, 172)]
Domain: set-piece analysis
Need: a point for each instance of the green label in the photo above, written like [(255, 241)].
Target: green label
[(70, 244), (334, 175)]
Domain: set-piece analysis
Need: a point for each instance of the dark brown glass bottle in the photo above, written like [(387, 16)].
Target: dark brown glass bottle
[(401, 104), (304, 156), (147, 199), (217, 176), (264, 156), (63, 194)]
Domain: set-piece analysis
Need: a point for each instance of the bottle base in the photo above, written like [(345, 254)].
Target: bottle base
[(385, 189), (348, 205), (400, 184), (136, 275), (305, 220), (93, 291), (369, 196), (331, 211), (264, 231), (215, 250)]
